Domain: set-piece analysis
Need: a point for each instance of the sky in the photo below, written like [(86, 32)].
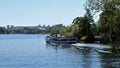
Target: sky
[(40, 12)]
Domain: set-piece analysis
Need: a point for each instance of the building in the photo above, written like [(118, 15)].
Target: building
[(58, 26)]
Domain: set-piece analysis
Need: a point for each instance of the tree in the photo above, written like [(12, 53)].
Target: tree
[(70, 31), (54, 32), (84, 25), (109, 22), (81, 22), (2, 30), (100, 5), (109, 18)]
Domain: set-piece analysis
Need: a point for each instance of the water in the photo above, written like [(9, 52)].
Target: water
[(31, 51)]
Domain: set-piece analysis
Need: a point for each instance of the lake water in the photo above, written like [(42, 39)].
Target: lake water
[(31, 51)]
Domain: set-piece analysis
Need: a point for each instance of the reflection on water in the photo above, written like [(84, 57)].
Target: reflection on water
[(111, 60), (84, 58), (30, 51), (90, 58)]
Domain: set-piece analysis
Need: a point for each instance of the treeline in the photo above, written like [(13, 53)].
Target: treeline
[(23, 31), (106, 30)]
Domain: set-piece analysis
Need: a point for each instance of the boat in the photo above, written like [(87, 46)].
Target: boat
[(60, 40)]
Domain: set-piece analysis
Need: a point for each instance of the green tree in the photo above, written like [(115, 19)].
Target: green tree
[(109, 18), (70, 31), (109, 22), (84, 26), (100, 5), (2, 30), (54, 32), (81, 22)]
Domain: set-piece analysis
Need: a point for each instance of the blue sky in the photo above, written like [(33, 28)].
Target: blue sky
[(44, 12)]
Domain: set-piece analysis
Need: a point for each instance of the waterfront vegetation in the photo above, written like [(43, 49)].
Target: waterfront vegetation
[(106, 30)]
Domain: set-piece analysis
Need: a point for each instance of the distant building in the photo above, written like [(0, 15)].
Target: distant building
[(8, 26), (44, 26), (12, 26), (39, 26), (59, 26), (48, 26)]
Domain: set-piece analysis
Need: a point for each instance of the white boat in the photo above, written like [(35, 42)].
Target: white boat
[(61, 40)]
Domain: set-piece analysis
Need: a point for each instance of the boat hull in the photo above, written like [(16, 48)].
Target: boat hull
[(61, 40)]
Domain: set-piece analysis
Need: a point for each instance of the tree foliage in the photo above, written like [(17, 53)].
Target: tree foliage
[(54, 32), (84, 25), (109, 22), (101, 5), (2, 30), (69, 31)]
